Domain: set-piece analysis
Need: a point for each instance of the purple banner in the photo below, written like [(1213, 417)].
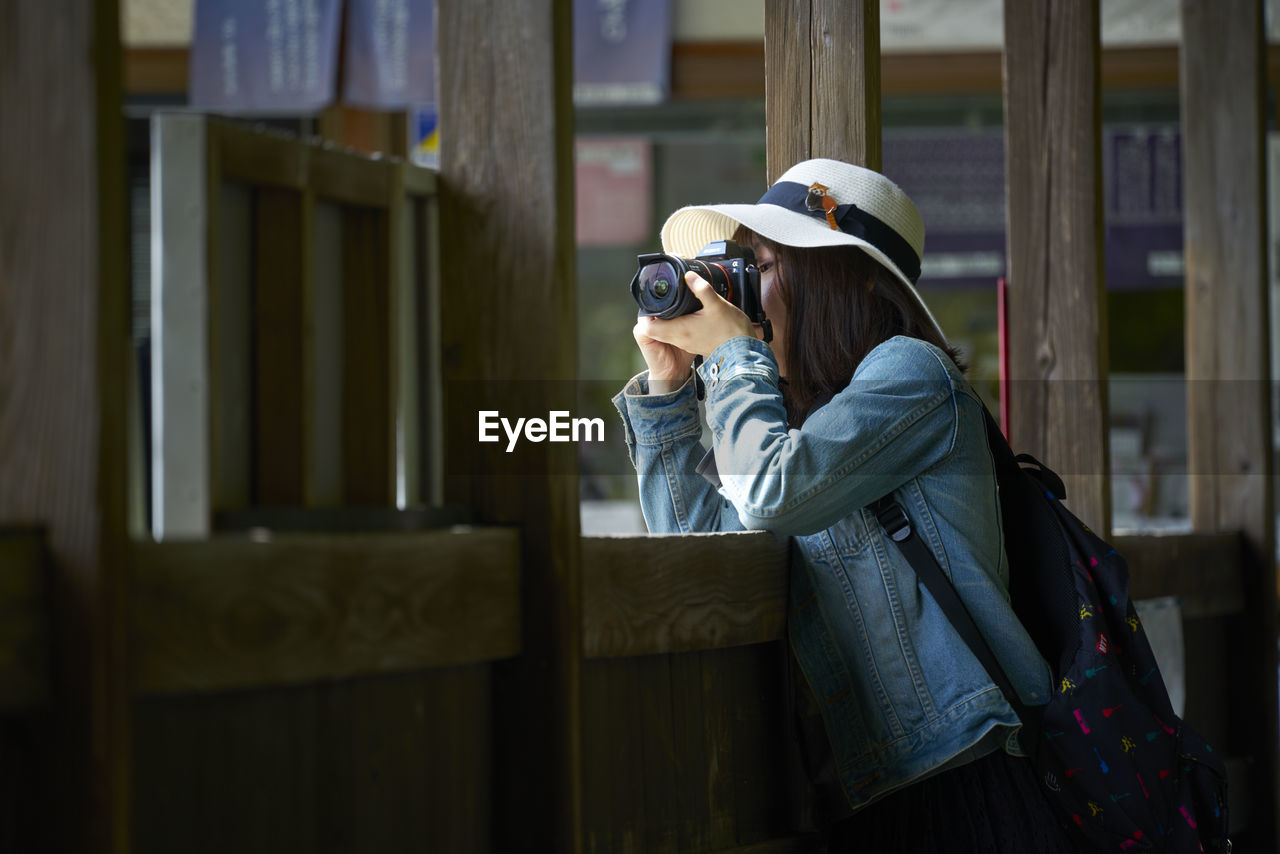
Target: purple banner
[(389, 58), (276, 57), (1142, 175), (621, 51), (956, 179)]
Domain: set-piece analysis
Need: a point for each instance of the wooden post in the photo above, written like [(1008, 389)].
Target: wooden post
[(64, 353), (510, 342), (1228, 352), (1057, 318), (822, 82)]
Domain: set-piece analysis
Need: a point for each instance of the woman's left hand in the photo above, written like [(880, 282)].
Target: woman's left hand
[(705, 329)]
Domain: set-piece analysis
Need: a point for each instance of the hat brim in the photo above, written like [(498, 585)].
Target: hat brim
[(689, 229)]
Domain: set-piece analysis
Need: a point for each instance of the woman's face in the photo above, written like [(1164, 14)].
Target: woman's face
[(775, 308)]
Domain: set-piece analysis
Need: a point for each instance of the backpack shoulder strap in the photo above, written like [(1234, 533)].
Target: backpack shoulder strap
[(1008, 464), (897, 525)]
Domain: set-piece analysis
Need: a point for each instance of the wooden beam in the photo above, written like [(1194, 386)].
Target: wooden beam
[(664, 594), (720, 70), (366, 131), (156, 70), (64, 358), (645, 595), (258, 156), (1053, 164), (337, 175), (845, 53), (788, 85), (24, 620), (510, 344), (717, 70), (1204, 570), (1228, 351), (227, 614), (822, 82)]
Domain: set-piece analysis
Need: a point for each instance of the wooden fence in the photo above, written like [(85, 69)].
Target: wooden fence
[(334, 692), (295, 328)]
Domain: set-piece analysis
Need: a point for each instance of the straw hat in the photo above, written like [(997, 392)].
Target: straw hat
[(817, 203)]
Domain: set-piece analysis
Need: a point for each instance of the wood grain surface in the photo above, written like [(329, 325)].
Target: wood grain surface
[(235, 613), (1057, 321), (659, 594)]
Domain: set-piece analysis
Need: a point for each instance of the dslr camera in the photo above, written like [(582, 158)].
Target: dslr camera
[(660, 290)]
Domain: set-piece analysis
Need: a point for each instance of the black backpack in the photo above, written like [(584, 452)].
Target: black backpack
[(1120, 769)]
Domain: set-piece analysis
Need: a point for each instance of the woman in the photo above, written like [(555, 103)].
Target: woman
[(858, 395)]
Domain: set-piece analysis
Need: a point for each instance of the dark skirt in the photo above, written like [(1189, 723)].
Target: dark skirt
[(992, 805)]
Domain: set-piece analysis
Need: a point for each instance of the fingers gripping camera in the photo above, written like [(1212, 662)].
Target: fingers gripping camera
[(660, 290)]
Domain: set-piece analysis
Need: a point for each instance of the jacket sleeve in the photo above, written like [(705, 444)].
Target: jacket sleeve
[(663, 435), (895, 419)]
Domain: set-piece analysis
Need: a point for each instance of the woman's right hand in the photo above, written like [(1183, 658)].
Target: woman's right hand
[(669, 366)]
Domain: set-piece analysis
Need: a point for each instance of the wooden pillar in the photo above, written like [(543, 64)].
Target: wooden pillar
[(1057, 317), (822, 82), (1228, 351), (64, 357), (510, 345)]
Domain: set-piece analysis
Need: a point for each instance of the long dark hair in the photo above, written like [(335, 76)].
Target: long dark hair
[(841, 304)]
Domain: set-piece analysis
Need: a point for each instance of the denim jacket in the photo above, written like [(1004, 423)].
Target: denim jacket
[(900, 694)]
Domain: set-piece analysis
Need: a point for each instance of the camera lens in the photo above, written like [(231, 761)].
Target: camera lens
[(657, 293), (659, 288)]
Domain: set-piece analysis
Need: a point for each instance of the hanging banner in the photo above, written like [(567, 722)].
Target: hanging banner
[(275, 57), (389, 58), (621, 51), (1142, 190), (956, 178)]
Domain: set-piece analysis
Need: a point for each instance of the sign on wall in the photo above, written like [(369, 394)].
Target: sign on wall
[(1142, 174), (956, 178), (621, 51), (389, 58), (276, 57), (280, 57)]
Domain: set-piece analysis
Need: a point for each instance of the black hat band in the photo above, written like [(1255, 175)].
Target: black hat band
[(852, 220)]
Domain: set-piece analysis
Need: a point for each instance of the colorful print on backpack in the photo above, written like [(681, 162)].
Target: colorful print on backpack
[(1117, 762)]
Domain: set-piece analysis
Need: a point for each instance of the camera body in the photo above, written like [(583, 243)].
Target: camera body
[(660, 290)]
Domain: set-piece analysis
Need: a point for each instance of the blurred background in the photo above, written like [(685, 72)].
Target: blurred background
[(669, 98)]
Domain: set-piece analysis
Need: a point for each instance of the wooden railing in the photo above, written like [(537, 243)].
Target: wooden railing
[(229, 614), (295, 324), (236, 613), (243, 647)]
